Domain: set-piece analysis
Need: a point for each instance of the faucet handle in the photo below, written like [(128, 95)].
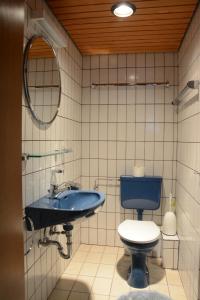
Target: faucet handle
[(59, 171), (74, 185)]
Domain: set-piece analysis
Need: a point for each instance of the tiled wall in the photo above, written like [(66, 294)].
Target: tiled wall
[(43, 266), (169, 251), (123, 126), (188, 161)]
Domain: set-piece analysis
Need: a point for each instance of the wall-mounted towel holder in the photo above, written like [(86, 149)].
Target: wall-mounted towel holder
[(151, 84)]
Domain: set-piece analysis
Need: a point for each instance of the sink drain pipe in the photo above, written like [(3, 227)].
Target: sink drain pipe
[(45, 241)]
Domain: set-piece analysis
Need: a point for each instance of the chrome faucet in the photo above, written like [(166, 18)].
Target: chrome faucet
[(56, 189), (53, 181), (68, 185)]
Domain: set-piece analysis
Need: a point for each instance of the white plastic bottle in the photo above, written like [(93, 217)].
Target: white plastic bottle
[(169, 222)]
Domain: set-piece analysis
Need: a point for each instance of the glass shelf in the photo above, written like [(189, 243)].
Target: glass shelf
[(26, 156)]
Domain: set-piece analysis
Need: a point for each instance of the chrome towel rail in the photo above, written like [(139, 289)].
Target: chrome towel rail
[(97, 184), (192, 84), (152, 84)]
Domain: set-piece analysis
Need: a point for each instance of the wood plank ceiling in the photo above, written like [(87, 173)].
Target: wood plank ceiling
[(157, 25)]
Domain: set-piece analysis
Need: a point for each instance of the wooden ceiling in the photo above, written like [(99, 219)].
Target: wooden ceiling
[(157, 25)]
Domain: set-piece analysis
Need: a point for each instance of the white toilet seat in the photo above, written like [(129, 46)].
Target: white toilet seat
[(139, 232)]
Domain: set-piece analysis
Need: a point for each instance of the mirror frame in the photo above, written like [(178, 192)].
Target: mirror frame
[(25, 79)]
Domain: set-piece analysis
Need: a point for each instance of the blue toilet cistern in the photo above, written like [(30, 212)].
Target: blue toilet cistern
[(139, 237)]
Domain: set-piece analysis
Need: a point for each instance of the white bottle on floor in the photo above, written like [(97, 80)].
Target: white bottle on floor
[(169, 221)]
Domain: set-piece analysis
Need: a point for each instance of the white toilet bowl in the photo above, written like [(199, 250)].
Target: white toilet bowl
[(139, 232), (139, 238)]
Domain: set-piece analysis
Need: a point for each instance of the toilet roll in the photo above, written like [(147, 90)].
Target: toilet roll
[(138, 171)]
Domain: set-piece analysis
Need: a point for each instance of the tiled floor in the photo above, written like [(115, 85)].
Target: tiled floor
[(99, 273)]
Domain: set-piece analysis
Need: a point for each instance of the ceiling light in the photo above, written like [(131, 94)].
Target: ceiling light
[(123, 9)]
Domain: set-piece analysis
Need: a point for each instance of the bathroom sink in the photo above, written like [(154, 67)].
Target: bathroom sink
[(68, 206)]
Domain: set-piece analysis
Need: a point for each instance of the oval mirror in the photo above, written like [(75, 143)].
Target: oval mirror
[(42, 83)]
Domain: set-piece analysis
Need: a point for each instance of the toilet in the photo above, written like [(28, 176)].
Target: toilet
[(139, 237)]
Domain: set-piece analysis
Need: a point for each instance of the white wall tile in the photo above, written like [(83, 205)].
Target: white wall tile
[(150, 60), (43, 266), (131, 60), (112, 61), (140, 60), (86, 62), (187, 163), (94, 62), (103, 61), (132, 125), (159, 59)]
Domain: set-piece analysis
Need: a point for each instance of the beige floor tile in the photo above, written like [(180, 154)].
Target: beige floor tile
[(101, 286), (106, 271), (177, 293), (122, 266), (78, 296), (157, 285), (83, 284), (117, 276), (121, 250), (93, 257), (98, 297), (121, 254), (154, 261), (124, 259), (66, 282), (121, 273), (84, 248), (89, 269), (157, 275), (156, 269), (100, 273), (119, 286), (80, 256), (97, 249), (73, 268), (58, 295), (157, 280), (163, 289), (111, 250), (173, 277), (109, 259)]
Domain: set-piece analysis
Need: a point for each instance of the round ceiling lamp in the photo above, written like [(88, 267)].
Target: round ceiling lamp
[(123, 9)]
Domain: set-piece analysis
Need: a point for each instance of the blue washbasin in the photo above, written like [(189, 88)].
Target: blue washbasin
[(66, 207)]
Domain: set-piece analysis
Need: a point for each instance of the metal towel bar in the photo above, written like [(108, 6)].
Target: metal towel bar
[(152, 84), (97, 184)]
